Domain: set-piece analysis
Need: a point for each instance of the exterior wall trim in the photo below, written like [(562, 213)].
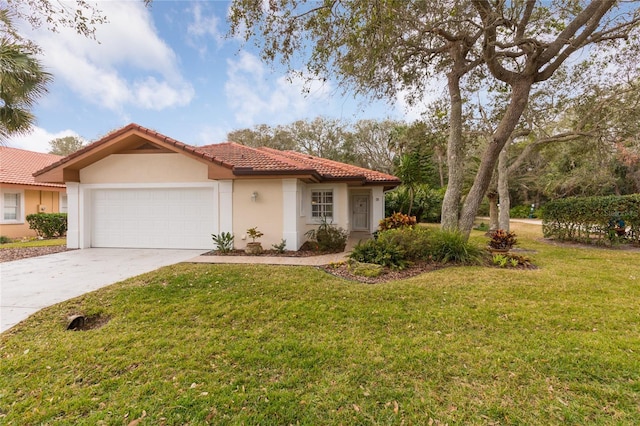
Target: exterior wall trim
[(290, 231)]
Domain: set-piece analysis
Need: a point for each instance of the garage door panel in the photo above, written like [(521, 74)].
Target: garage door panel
[(153, 218)]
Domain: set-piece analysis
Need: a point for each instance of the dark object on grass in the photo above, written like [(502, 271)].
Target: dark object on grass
[(76, 322)]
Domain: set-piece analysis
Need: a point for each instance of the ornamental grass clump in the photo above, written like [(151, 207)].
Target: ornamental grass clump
[(452, 246), (330, 238)]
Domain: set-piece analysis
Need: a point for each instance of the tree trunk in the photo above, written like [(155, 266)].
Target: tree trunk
[(455, 156), (411, 197), (519, 97), (493, 211), (503, 188)]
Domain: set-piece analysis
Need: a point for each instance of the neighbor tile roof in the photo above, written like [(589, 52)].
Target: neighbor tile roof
[(18, 165), (244, 160)]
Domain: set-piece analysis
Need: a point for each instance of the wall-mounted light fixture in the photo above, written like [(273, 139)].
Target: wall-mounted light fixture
[(254, 196)]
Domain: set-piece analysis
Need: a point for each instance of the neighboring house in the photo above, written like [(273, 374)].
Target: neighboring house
[(21, 195), (138, 188)]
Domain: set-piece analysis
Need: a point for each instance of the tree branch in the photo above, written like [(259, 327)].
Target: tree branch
[(539, 143)]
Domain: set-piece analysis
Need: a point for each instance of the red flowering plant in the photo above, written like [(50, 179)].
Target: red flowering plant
[(502, 240), (397, 220)]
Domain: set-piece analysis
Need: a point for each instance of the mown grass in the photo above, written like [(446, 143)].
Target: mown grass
[(222, 344), (34, 243)]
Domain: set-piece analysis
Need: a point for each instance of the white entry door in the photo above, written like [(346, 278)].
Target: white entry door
[(360, 212), (153, 218)]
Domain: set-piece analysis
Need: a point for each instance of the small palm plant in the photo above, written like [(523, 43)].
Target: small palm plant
[(254, 234), (254, 247)]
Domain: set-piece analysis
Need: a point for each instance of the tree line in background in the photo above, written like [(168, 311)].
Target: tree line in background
[(541, 97), (492, 57), (572, 143)]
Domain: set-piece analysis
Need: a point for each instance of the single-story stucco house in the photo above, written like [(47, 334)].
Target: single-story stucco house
[(136, 188), (21, 195)]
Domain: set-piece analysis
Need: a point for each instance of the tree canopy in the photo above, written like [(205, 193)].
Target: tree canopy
[(22, 80), (65, 145), (396, 46)]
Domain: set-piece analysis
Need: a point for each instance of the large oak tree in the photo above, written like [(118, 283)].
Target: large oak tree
[(389, 47)]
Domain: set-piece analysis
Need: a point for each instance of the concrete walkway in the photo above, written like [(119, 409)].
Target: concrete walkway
[(324, 259)]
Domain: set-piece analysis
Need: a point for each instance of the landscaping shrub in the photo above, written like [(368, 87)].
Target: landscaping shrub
[(448, 246), (592, 219), (223, 242), (522, 212), (415, 242), (502, 240), (280, 248), (380, 252), (396, 220), (396, 248), (48, 225), (330, 238), (427, 202), (4, 239)]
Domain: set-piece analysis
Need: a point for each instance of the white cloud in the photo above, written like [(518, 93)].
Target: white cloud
[(38, 140), (211, 134), (122, 68), (203, 27), (254, 99)]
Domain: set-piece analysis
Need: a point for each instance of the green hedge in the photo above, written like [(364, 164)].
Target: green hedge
[(592, 219), (48, 225)]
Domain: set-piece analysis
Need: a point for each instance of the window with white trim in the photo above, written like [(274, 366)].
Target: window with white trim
[(11, 207), (322, 204), (63, 203)]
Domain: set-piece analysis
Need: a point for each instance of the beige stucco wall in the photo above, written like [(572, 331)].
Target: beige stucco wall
[(340, 206), (265, 212), (144, 168), (32, 198)]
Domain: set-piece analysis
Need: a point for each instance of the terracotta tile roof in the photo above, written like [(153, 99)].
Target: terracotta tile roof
[(18, 165), (111, 135), (247, 158), (334, 169), (244, 160), (262, 160)]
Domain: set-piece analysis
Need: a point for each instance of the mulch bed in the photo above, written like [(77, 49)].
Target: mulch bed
[(9, 254), (271, 253), (341, 270)]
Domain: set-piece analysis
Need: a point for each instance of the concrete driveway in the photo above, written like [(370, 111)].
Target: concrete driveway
[(28, 285)]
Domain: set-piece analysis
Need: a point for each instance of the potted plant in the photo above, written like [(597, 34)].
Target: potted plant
[(254, 247), (502, 241)]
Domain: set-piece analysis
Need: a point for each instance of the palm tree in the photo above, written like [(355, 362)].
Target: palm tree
[(22, 80)]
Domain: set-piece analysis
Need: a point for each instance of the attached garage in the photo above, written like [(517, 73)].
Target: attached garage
[(153, 217), (137, 188)]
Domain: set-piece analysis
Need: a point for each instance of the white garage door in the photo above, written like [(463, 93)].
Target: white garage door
[(154, 218)]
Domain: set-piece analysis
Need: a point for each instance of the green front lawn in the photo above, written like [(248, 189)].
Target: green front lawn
[(35, 243), (222, 344)]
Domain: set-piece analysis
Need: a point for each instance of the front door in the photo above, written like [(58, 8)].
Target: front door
[(360, 212)]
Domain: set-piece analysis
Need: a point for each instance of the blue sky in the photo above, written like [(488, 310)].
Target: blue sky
[(169, 67)]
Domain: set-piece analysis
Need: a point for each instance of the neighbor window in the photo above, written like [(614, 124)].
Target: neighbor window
[(321, 204), (63, 203), (11, 206)]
